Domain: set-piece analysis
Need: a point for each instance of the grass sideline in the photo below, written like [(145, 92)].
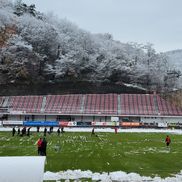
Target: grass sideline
[(143, 153)]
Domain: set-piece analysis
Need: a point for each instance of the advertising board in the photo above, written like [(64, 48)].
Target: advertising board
[(41, 123), (12, 123)]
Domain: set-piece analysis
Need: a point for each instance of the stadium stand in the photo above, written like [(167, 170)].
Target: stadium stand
[(137, 104), (93, 104), (166, 108), (64, 104), (29, 104), (101, 104)]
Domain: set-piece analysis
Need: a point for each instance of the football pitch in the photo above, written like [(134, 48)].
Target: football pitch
[(143, 153)]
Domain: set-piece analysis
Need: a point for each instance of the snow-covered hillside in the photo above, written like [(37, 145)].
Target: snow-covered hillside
[(35, 48)]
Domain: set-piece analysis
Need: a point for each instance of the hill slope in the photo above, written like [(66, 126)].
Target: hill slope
[(37, 48)]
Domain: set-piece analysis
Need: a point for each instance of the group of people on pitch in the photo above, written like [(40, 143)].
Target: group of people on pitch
[(41, 146)]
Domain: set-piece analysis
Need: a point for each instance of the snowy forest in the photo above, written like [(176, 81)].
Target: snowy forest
[(41, 48)]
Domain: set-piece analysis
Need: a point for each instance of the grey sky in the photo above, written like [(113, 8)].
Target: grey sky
[(155, 21)]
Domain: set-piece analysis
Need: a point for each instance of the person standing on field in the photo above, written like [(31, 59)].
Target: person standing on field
[(93, 131), (39, 146), (43, 147), (168, 141), (58, 132), (62, 130), (13, 131), (28, 131), (45, 131), (116, 130), (18, 133)]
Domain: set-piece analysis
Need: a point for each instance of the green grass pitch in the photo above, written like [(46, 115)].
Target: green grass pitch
[(143, 153)]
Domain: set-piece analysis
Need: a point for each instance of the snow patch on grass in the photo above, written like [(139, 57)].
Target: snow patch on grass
[(117, 176)]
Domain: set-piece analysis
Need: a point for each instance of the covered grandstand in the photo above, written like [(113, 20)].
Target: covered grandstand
[(92, 108)]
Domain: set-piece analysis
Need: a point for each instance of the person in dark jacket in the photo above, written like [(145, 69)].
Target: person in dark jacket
[(44, 147), (93, 131), (62, 130), (18, 133), (50, 130), (13, 131), (45, 131), (28, 131), (58, 132), (23, 131)]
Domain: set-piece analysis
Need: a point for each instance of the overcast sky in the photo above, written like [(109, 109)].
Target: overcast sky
[(142, 21)]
